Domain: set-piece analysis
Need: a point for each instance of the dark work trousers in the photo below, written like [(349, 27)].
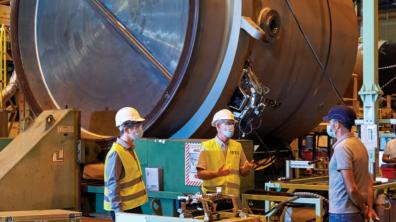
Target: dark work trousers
[(136, 210)]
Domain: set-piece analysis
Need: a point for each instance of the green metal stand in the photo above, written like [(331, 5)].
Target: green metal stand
[(370, 90), (4, 141)]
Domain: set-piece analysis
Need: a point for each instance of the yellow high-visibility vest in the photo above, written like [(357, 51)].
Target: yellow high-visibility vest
[(215, 159), (132, 190)]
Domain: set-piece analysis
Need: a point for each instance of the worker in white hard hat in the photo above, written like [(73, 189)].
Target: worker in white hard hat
[(222, 160), (124, 187)]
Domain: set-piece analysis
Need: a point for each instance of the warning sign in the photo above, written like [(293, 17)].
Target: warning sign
[(192, 151)]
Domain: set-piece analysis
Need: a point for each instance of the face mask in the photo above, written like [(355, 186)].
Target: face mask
[(330, 131), (228, 133), (137, 134)]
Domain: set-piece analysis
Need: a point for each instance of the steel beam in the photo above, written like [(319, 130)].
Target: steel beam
[(370, 90)]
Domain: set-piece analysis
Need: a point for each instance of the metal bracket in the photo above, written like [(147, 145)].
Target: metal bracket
[(252, 28), (267, 27)]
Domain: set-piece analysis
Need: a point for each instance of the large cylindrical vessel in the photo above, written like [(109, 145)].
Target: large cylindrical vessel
[(179, 61)]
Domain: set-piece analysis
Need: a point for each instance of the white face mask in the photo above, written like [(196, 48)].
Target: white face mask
[(137, 134), (330, 131)]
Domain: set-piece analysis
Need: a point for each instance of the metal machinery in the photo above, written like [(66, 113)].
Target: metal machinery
[(279, 65), (149, 218), (311, 191), (176, 160), (206, 204), (279, 206), (275, 62), (313, 185), (39, 168)]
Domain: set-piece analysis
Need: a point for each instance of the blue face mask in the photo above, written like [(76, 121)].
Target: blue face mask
[(330, 131), (228, 133)]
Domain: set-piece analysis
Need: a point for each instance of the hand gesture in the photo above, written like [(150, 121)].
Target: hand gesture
[(222, 171), (248, 165)]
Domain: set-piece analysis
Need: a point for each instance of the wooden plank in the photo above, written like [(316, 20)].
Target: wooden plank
[(56, 213)]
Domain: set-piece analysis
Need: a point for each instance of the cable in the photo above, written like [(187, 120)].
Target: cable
[(307, 41), (280, 205), (315, 195), (261, 141), (266, 148), (387, 67), (330, 34), (389, 82)]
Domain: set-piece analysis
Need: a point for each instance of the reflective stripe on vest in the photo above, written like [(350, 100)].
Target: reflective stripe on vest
[(131, 183), (132, 188), (215, 159), (130, 197)]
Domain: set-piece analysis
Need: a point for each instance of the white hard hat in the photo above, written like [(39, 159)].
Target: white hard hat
[(222, 114), (127, 114)]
